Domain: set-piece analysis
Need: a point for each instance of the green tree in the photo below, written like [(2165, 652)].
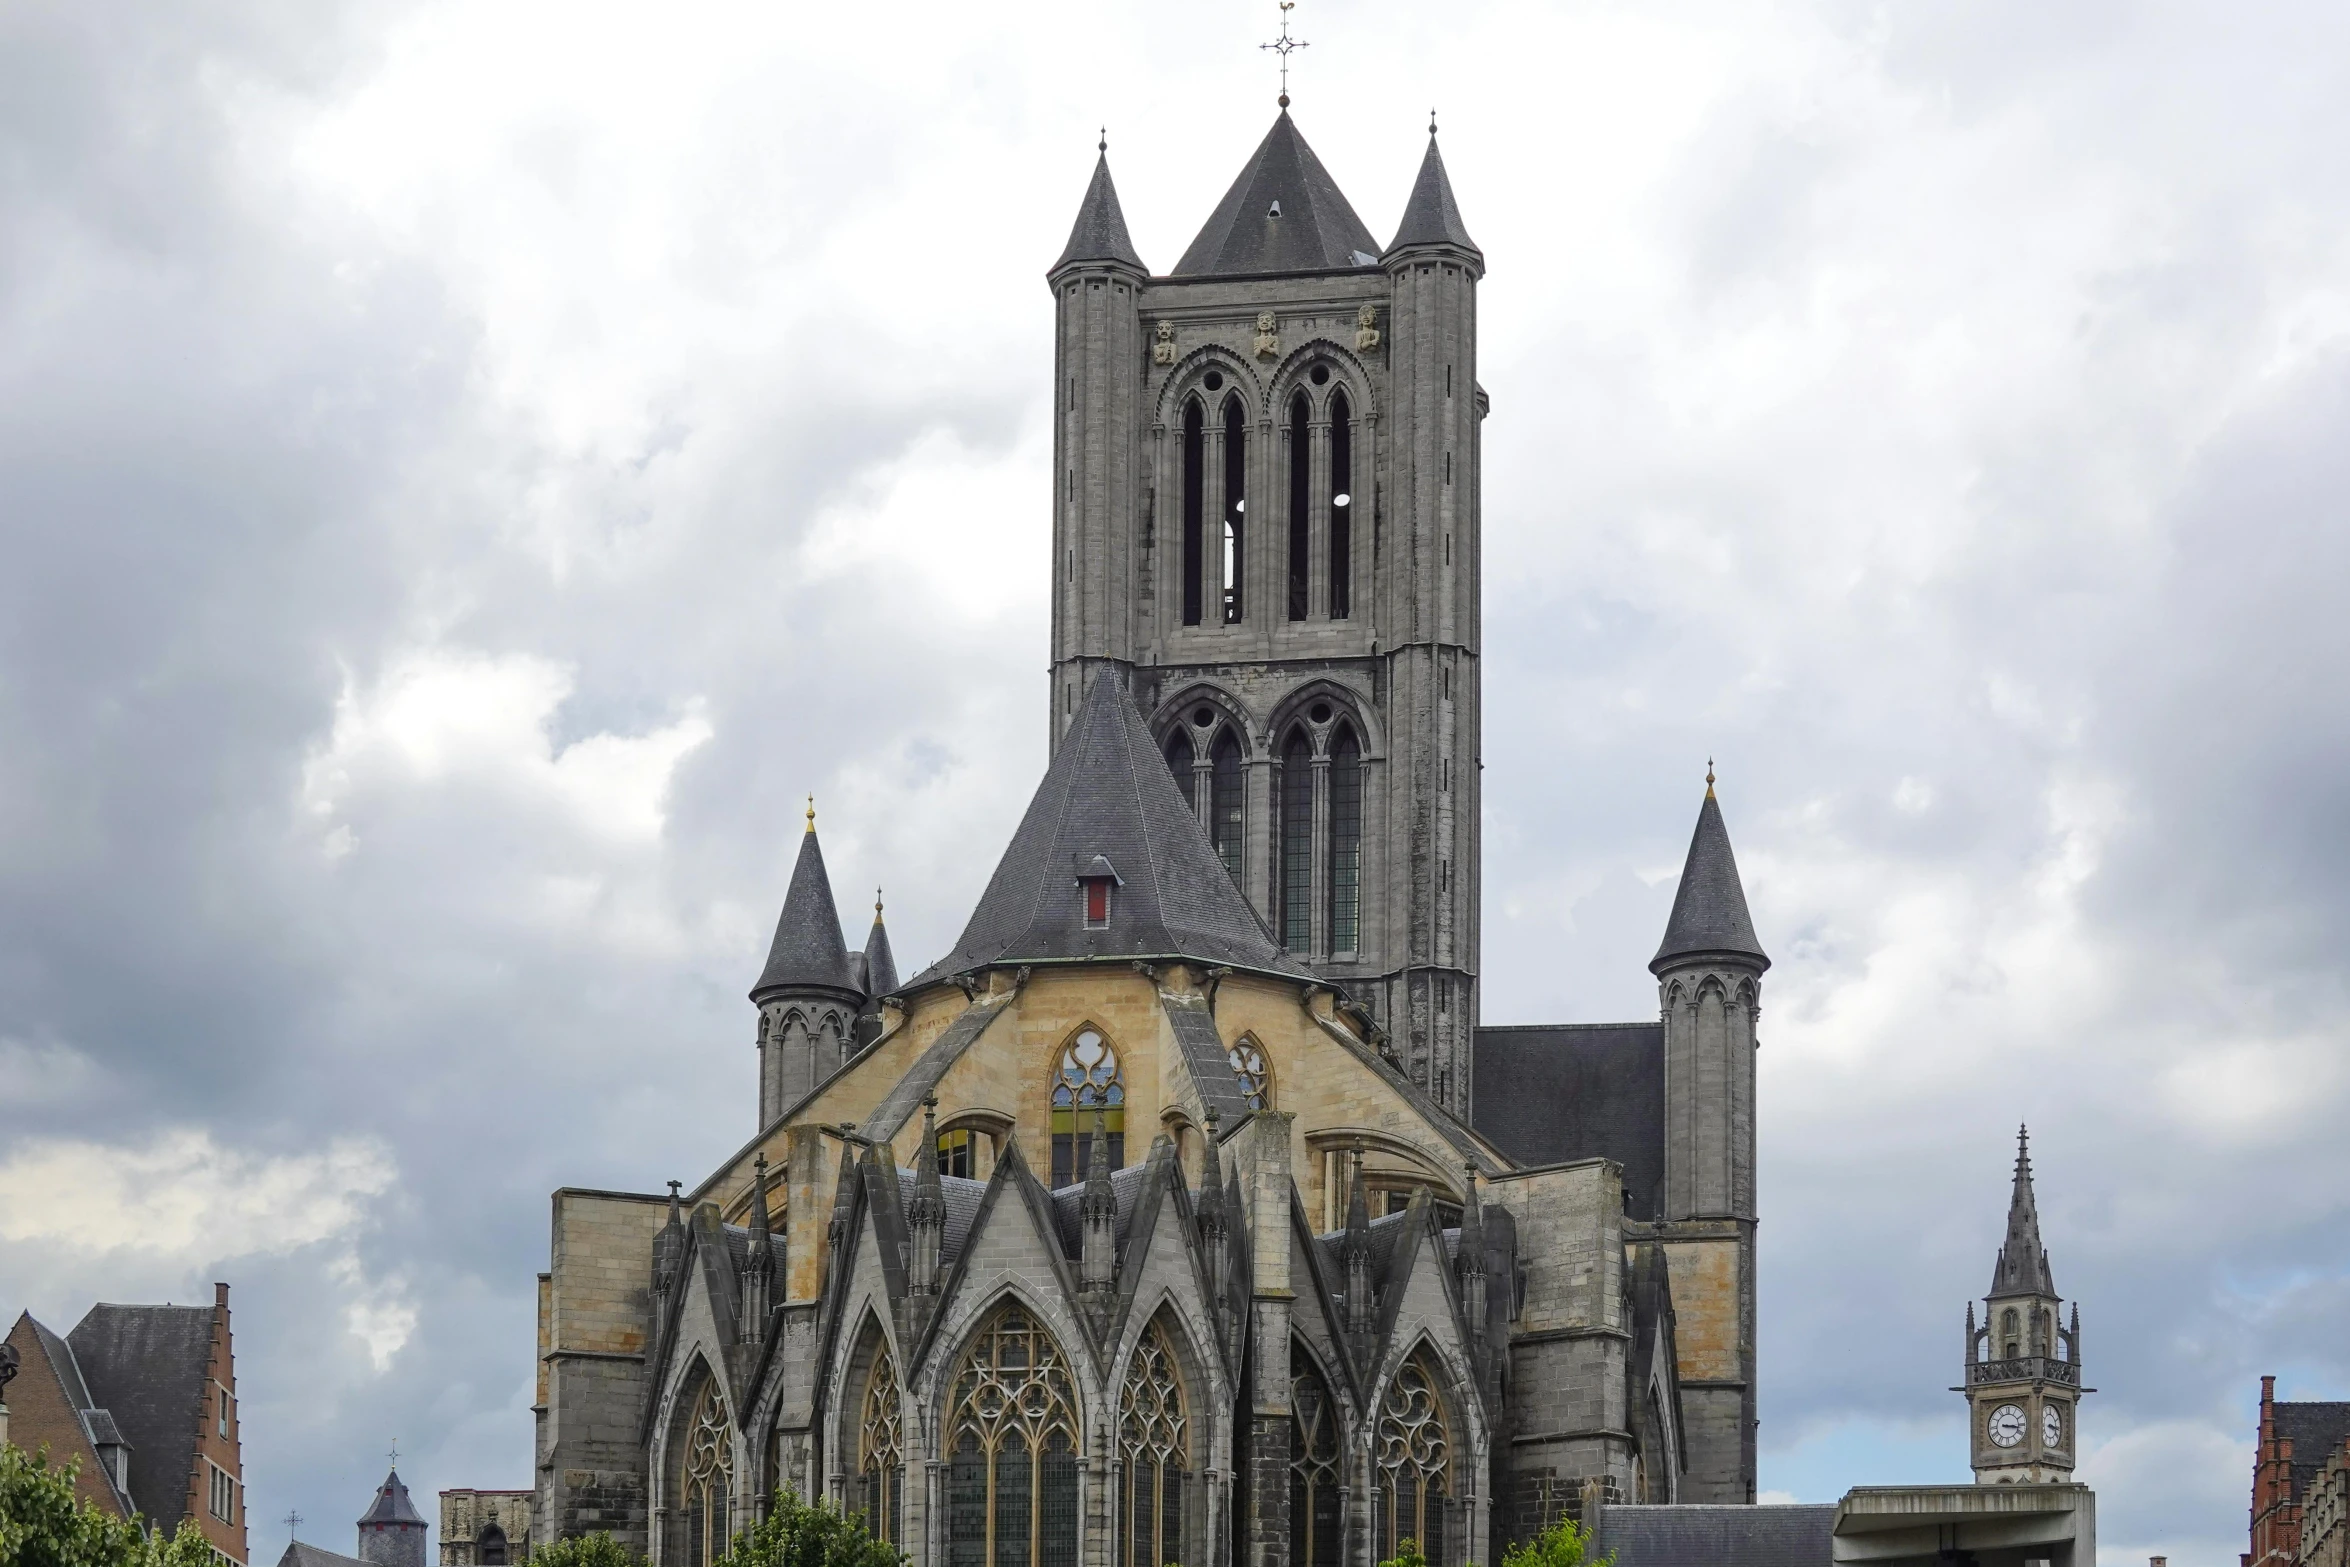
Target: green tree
[(803, 1534), (1564, 1544), (1407, 1554), (586, 1550), (44, 1524)]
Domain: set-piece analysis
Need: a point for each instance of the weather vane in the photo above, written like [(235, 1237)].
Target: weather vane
[(1282, 45)]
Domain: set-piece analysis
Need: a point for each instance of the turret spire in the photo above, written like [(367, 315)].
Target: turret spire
[(1709, 908), (1099, 234), (1431, 216), (807, 950), (2022, 1268)]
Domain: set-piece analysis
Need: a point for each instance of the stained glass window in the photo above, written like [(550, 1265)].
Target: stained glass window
[(1154, 1444), (707, 1476), (1087, 1080), (1256, 1078), (881, 1448), (1412, 1459), (1012, 1441), (1313, 1467)]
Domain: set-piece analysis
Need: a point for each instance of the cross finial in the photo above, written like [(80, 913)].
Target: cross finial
[(293, 1521), (395, 1452), (1283, 45)]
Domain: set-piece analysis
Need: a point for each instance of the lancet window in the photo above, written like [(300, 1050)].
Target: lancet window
[(1342, 471), (1195, 468), (1297, 843), (1180, 757), (705, 1480), (1087, 1080), (1154, 1446), (1313, 1466), (1411, 1460), (1301, 516), (881, 1448), (1012, 1442), (1346, 842), (1235, 509), (1226, 826), (1256, 1078)]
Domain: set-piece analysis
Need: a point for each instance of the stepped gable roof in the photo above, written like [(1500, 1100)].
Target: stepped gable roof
[(1283, 214), (1709, 909), (1432, 216), (2022, 1265), (807, 952), (881, 965), (1099, 233), (145, 1365), (392, 1508), (1108, 793), (1554, 1093)]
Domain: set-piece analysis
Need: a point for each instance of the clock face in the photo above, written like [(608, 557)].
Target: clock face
[(2051, 1427), (2006, 1425)]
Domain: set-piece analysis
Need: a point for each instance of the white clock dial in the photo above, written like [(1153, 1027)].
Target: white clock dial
[(2006, 1425), (2051, 1427)]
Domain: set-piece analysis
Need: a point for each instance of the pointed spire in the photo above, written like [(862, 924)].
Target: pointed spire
[(1214, 1228), (1211, 1174), (2022, 1268), (668, 1246), (1469, 1257), (808, 952), (1709, 909), (1355, 1252), (761, 1227), (1099, 234), (1430, 215), (881, 965), (1283, 214), (926, 1214), (1097, 1212)]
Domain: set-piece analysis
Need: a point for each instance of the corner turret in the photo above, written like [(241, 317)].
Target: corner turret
[(391, 1531), (808, 995)]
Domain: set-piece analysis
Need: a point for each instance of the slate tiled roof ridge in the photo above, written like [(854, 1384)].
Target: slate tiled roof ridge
[(1317, 229), (1709, 905)]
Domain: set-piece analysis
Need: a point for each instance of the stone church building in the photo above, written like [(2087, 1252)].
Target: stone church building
[(1184, 1213)]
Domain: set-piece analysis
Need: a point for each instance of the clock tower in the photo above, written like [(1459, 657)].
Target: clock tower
[(2023, 1364)]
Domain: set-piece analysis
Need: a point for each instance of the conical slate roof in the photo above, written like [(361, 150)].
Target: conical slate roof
[(1709, 910), (881, 965), (2022, 1266), (1431, 216), (1100, 231), (392, 1506), (1109, 797), (808, 950), (1284, 214)]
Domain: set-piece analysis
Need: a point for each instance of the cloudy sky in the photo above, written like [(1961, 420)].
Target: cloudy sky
[(468, 470)]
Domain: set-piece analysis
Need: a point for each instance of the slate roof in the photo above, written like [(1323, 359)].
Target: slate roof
[(1432, 216), (1708, 1534), (1709, 909), (300, 1554), (2022, 1265), (1108, 792), (1550, 1093), (2317, 1430), (808, 952), (392, 1507), (1283, 214), (145, 1366), (1099, 233), (881, 964)]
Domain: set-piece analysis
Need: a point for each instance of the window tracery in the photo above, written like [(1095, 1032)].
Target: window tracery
[(1154, 1442), (1412, 1464), (1313, 1466), (1248, 1064), (1088, 1079), (881, 1447), (706, 1478), (1012, 1442)]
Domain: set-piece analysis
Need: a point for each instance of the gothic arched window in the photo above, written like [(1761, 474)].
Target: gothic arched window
[(881, 1447), (1195, 466), (1313, 1467), (2012, 1347), (1180, 757), (1011, 1441), (1235, 508), (1154, 1444), (1411, 1461), (1226, 827), (1346, 842), (1301, 470), (1087, 1080), (706, 1479), (1256, 1078), (1342, 478), (1297, 843), (489, 1549)]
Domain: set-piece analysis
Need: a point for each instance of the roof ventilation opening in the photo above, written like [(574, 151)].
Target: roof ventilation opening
[(1276, 210)]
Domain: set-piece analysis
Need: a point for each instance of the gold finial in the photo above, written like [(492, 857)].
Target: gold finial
[(1709, 777), (877, 905), (1283, 45), (811, 813)]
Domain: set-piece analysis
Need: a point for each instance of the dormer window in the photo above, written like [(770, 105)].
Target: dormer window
[(1097, 883)]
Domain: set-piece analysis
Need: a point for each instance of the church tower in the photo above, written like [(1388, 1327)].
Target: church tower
[(2023, 1365), (1266, 523), (1709, 972)]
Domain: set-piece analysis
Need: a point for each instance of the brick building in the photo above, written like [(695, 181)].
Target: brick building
[(2297, 1443), (145, 1397)]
